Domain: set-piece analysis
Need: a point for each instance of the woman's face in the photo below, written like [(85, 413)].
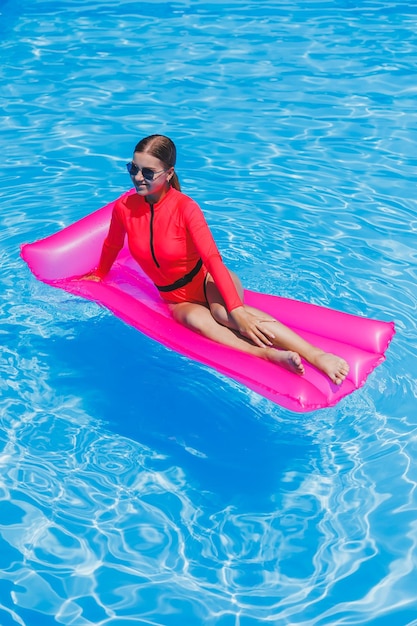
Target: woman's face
[(149, 175)]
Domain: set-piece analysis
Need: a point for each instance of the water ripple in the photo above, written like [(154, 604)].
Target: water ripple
[(196, 501)]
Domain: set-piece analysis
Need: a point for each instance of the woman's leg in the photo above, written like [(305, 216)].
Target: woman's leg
[(198, 318), (334, 366)]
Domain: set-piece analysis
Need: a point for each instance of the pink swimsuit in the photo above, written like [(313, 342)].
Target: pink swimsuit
[(172, 243)]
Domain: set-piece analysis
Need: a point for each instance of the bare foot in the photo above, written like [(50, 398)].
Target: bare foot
[(334, 366), (286, 358)]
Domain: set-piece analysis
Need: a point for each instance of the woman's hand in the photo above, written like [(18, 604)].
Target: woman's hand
[(252, 327), (91, 276)]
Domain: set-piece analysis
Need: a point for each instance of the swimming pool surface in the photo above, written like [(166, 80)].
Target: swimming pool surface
[(137, 486)]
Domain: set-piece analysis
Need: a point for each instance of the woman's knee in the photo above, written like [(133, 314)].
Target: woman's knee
[(189, 316)]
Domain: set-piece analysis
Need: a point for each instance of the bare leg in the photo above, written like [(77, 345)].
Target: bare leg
[(199, 318), (335, 367), (332, 365)]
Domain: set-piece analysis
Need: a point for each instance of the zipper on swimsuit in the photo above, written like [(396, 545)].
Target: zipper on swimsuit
[(151, 236)]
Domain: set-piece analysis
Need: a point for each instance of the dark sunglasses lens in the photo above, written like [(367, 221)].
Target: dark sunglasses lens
[(132, 169), (147, 173)]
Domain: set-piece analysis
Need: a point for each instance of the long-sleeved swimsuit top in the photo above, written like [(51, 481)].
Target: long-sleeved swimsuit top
[(167, 239)]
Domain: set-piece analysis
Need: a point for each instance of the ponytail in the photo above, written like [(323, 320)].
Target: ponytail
[(174, 182)]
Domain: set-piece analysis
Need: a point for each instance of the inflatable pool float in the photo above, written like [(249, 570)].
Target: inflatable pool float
[(60, 259)]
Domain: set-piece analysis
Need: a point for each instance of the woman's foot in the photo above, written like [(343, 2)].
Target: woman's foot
[(334, 366), (286, 358)]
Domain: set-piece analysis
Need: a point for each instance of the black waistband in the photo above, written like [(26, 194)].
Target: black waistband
[(181, 282)]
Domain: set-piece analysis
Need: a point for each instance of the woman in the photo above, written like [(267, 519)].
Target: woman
[(169, 238)]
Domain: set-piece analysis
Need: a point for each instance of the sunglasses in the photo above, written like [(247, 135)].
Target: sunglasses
[(147, 173)]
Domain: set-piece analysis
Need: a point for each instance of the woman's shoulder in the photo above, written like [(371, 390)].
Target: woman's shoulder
[(184, 201), (121, 200), (129, 201)]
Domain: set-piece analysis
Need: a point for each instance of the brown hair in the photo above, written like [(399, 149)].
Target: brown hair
[(162, 148)]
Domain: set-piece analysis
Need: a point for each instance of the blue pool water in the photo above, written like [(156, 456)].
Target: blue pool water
[(139, 487)]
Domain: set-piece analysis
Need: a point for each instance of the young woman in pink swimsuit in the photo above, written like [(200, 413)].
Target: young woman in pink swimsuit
[(169, 238)]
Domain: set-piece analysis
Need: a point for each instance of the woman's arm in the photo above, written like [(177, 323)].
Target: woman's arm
[(207, 248)]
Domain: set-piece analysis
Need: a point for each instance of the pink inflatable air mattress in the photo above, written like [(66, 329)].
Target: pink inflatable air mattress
[(60, 258)]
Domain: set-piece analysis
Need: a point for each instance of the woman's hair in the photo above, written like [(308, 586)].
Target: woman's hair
[(162, 148)]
